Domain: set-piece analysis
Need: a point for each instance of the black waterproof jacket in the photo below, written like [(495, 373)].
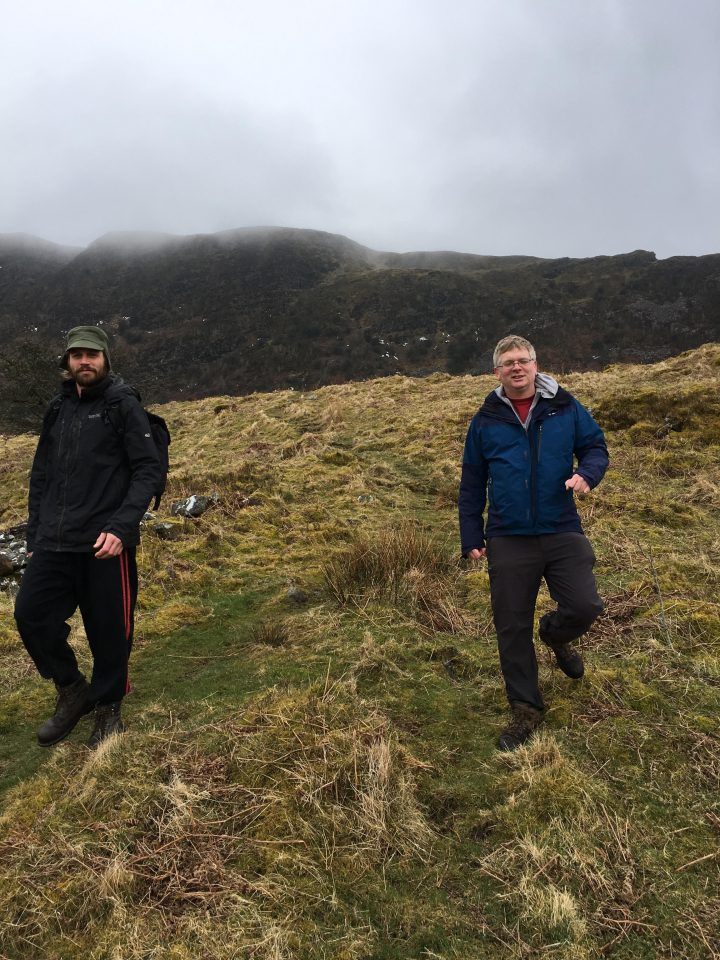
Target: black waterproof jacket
[(88, 476)]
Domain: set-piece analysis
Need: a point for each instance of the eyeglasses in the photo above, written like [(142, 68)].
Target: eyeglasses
[(508, 364)]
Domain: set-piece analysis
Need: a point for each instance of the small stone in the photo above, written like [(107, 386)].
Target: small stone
[(18, 532), (9, 585), (6, 565), (167, 531), (365, 498), (194, 506), (297, 595)]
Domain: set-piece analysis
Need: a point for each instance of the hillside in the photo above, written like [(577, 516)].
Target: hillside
[(314, 776), (272, 308)]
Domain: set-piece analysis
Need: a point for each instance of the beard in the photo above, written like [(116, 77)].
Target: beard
[(89, 377)]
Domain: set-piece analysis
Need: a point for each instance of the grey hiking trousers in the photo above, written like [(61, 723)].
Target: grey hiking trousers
[(516, 566)]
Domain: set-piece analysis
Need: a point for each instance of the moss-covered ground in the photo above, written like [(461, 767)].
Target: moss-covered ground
[(309, 767)]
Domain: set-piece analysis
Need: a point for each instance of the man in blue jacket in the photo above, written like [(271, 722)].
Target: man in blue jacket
[(90, 484), (530, 449)]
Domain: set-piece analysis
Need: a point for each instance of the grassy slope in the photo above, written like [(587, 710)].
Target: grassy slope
[(318, 780)]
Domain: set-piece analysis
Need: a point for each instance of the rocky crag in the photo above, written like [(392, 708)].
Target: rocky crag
[(270, 308)]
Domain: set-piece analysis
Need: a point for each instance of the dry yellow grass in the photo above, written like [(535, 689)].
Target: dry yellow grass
[(317, 779)]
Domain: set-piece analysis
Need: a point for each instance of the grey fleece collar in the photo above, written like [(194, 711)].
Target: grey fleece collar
[(545, 387)]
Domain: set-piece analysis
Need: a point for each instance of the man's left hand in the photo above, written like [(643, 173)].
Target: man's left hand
[(578, 484), (107, 545)]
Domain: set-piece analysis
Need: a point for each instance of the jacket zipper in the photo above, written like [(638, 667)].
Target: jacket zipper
[(69, 463), (60, 460), (534, 457)]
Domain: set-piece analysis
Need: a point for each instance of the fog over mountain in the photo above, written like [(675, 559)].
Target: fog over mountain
[(549, 129)]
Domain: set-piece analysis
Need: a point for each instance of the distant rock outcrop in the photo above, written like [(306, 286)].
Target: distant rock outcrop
[(267, 308)]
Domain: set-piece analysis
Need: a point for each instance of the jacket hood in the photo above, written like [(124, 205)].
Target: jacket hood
[(545, 385)]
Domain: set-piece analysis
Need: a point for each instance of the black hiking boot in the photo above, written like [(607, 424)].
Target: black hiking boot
[(107, 722), (72, 703), (569, 661), (524, 721), (567, 657)]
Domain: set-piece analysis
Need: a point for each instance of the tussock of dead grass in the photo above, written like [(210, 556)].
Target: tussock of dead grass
[(231, 831), (405, 568), (544, 784), (380, 659), (271, 633), (576, 879), (704, 490)]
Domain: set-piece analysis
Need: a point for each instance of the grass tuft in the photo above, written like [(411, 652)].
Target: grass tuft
[(404, 568), (271, 633)]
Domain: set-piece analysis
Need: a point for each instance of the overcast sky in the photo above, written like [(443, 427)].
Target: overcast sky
[(546, 127)]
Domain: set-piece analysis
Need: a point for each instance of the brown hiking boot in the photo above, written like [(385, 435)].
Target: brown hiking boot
[(72, 703), (107, 722), (525, 719), (567, 657), (569, 660)]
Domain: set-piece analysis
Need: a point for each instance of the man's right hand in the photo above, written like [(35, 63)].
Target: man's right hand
[(477, 554)]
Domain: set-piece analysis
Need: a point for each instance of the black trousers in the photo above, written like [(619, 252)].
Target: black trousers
[(53, 587), (516, 566)]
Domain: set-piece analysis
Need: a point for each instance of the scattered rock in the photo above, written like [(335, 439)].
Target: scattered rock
[(295, 594), (249, 502), (365, 498), (13, 557), (669, 425), (194, 506), (18, 532), (167, 531)]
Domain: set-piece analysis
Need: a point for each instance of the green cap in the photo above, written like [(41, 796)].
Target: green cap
[(91, 338)]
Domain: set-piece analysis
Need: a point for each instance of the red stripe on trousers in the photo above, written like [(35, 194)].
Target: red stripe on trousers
[(126, 607)]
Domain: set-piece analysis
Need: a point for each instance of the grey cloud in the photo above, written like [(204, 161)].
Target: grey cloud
[(555, 129), (142, 158)]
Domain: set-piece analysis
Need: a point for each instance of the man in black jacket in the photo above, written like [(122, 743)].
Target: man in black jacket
[(92, 478)]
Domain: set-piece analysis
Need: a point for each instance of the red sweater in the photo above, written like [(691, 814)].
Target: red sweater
[(522, 407)]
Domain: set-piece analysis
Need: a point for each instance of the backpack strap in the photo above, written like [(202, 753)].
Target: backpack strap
[(112, 414), (113, 398), (51, 414)]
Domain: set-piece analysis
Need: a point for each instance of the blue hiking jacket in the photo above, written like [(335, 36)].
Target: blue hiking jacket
[(519, 470)]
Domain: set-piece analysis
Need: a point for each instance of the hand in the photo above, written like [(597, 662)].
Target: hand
[(578, 484), (476, 554), (107, 545)]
